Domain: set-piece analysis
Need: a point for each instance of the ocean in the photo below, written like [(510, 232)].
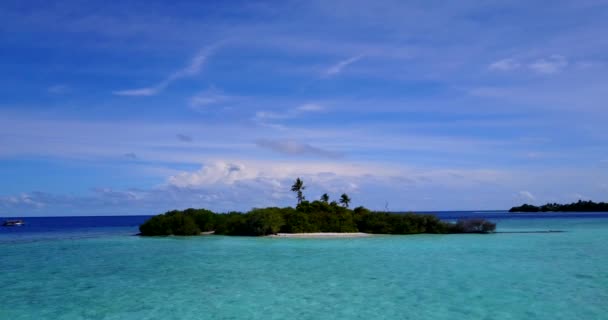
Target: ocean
[(95, 268)]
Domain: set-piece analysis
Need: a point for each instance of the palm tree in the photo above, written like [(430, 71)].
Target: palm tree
[(344, 200), (297, 187), (325, 198)]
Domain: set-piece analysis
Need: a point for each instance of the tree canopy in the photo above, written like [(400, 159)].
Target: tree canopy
[(345, 200), (580, 206), (315, 216), (298, 187), (325, 198)]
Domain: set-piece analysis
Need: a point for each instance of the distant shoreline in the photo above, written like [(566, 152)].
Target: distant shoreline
[(555, 211), (580, 206)]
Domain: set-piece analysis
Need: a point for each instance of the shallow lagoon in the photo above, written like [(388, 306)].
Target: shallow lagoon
[(113, 275)]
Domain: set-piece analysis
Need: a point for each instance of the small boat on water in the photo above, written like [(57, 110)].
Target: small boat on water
[(13, 223)]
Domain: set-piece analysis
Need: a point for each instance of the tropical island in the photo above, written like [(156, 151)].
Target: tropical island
[(308, 217), (319, 216), (580, 206)]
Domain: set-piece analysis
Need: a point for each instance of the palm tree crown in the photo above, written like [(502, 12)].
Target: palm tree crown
[(297, 187), (344, 200), (325, 198)]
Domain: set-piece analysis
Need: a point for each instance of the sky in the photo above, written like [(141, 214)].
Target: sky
[(138, 107)]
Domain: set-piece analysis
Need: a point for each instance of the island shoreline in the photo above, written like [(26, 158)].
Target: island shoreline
[(322, 235)]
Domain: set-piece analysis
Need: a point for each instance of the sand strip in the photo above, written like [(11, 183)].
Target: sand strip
[(321, 235)]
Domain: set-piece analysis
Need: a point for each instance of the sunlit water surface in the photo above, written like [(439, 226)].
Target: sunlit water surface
[(107, 273)]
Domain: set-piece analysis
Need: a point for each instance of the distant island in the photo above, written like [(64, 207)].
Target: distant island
[(319, 216), (580, 206)]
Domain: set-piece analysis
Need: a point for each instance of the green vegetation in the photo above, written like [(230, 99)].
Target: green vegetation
[(187, 223), (315, 216), (298, 187), (580, 206), (325, 198), (345, 200)]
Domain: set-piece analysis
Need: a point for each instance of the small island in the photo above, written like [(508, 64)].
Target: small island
[(308, 217), (580, 206)]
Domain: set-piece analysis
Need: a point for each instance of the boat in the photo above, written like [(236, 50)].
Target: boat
[(13, 223)]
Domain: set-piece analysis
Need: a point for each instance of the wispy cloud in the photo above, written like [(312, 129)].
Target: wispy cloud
[(191, 70), (547, 65), (526, 196), (210, 97), (143, 92), (22, 200), (340, 66), (310, 107), (264, 116), (551, 65), (504, 65), (590, 64), (261, 116), (295, 148)]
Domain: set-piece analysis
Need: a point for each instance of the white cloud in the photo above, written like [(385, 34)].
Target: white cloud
[(310, 107), (191, 70), (584, 65), (208, 98), (526, 196), (213, 173), (551, 65), (263, 116), (270, 115), (504, 65), (228, 172), (143, 92), (340, 66), (23, 199), (204, 100), (548, 65), (230, 184)]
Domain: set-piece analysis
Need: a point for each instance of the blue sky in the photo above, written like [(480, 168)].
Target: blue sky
[(139, 107)]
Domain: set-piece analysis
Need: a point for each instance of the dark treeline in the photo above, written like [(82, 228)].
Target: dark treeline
[(316, 216), (307, 217), (580, 206)]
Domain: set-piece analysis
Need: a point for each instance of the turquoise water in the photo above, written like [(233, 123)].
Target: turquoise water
[(500, 276)]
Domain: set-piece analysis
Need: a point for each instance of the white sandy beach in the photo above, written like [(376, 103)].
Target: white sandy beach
[(321, 235)]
